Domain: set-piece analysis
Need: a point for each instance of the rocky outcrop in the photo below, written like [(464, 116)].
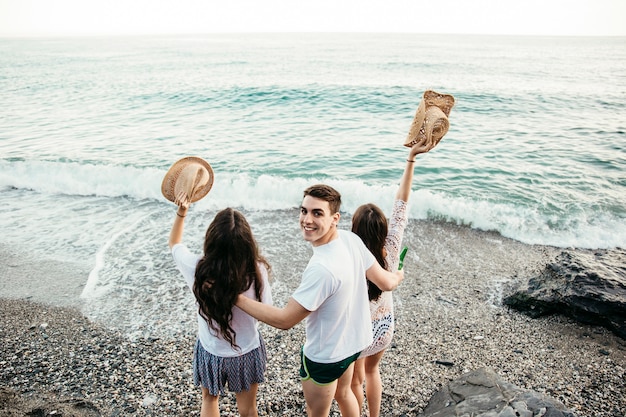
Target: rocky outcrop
[(587, 286), (482, 393)]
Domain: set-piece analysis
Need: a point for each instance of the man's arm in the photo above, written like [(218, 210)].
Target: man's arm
[(282, 318), (385, 280)]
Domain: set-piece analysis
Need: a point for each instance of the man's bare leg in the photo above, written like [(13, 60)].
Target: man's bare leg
[(318, 398), (348, 403)]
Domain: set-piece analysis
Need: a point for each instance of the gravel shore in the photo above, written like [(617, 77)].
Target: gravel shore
[(449, 321)]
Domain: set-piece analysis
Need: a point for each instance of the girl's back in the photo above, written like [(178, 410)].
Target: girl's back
[(244, 325)]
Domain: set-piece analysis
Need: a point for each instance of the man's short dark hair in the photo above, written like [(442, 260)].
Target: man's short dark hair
[(326, 193)]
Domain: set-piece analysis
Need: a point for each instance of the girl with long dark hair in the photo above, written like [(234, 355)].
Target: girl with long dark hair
[(229, 350), (383, 239)]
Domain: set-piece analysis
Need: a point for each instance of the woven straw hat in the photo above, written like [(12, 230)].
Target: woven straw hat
[(431, 119), (191, 174)]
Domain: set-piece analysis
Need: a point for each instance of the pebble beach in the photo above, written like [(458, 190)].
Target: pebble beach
[(449, 320)]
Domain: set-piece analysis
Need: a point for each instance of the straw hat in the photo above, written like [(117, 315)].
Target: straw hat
[(431, 119), (191, 174)]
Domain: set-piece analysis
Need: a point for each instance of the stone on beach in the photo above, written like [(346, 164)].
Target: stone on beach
[(482, 393), (588, 286)]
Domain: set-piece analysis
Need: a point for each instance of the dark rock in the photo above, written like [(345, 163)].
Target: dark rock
[(483, 393), (588, 287)]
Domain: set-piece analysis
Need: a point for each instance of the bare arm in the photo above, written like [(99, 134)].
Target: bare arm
[(176, 234), (282, 318), (385, 280), (404, 190)]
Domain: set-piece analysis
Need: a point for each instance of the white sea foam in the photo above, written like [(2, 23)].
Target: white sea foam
[(91, 289), (526, 223)]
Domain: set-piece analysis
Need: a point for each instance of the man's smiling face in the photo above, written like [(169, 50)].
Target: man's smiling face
[(318, 224)]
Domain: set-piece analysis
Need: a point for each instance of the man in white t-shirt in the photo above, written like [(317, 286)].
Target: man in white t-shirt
[(332, 296)]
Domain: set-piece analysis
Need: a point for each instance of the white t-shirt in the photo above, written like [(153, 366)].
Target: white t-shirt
[(244, 325), (334, 290)]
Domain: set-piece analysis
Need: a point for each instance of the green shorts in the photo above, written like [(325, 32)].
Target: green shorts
[(323, 373)]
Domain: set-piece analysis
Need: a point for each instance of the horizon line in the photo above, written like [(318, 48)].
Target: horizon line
[(176, 34)]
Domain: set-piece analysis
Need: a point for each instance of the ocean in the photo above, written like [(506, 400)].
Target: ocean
[(536, 150)]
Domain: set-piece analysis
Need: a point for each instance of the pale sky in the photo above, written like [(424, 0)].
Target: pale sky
[(135, 17)]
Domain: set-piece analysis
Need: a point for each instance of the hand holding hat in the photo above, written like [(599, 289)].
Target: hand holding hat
[(431, 119), (192, 176)]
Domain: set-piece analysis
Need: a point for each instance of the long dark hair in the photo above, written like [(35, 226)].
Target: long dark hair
[(370, 223), (230, 265)]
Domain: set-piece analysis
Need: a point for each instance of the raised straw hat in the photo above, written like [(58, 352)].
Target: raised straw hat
[(430, 123), (191, 174)]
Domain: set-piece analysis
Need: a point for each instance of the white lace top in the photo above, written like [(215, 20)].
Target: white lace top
[(381, 310)]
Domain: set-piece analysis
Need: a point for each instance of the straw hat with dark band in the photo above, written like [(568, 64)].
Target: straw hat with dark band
[(192, 174), (431, 119)]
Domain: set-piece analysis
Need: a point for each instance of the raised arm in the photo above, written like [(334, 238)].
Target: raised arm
[(404, 190), (385, 280), (281, 318), (176, 234)]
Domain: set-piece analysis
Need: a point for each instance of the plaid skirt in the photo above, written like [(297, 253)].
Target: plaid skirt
[(239, 372)]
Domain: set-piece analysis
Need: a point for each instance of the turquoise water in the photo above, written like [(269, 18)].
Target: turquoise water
[(88, 127)]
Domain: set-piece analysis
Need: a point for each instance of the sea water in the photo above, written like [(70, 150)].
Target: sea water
[(536, 149)]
